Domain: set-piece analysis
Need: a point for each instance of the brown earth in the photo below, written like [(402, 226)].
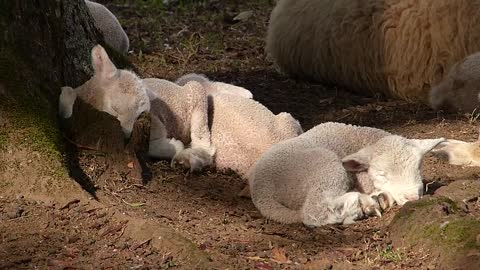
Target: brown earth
[(189, 221)]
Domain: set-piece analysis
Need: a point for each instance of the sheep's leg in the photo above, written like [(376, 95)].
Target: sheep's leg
[(201, 152), (161, 146), (200, 133)]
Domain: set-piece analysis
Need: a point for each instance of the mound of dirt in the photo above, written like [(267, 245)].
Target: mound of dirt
[(445, 227)]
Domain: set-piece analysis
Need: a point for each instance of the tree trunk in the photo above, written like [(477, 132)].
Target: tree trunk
[(46, 45)]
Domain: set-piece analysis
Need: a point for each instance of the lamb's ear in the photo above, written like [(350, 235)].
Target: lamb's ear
[(102, 64), (357, 162), (427, 145)]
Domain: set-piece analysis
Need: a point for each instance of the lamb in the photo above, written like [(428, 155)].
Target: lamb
[(110, 27), (242, 128), (118, 92), (396, 48), (214, 87), (459, 89), (124, 95), (309, 178)]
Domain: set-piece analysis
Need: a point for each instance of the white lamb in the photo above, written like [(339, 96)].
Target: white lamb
[(179, 114), (309, 178), (110, 27), (459, 89), (115, 91), (214, 87), (242, 128)]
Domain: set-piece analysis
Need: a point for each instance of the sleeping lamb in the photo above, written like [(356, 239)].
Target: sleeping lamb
[(242, 128), (309, 178), (179, 114), (115, 91), (110, 27), (214, 87)]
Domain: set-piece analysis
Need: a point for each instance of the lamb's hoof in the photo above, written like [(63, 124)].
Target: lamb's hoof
[(369, 206), (194, 159), (385, 200)]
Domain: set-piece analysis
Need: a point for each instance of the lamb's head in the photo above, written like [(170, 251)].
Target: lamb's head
[(121, 93), (394, 165)]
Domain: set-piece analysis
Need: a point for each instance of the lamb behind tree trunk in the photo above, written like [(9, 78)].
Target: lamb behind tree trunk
[(110, 27)]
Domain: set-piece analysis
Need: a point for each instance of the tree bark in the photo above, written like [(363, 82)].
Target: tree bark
[(46, 45)]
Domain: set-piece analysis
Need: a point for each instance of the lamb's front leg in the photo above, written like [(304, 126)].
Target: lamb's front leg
[(345, 209), (201, 152), (160, 146)]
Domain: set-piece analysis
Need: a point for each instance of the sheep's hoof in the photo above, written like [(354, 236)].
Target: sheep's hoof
[(369, 206), (194, 159), (384, 200)]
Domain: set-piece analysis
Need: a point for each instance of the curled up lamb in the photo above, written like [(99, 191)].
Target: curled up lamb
[(315, 178)]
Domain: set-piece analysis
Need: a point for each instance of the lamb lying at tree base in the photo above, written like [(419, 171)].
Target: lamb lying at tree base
[(309, 178), (459, 90), (115, 91)]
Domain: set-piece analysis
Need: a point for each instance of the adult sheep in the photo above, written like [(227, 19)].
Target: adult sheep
[(399, 48)]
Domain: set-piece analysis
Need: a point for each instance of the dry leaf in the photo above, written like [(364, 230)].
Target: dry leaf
[(243, 16), (130, 165), (255, 258), (279, 255)]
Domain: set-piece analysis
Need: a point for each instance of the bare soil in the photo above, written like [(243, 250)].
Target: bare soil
[(207, 225)]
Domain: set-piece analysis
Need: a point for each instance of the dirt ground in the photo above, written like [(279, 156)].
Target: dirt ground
[(203, 208)]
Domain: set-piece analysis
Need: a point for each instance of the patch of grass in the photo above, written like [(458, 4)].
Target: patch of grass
[(473, 116), (453, 238), (31, 120), (389, 254)]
